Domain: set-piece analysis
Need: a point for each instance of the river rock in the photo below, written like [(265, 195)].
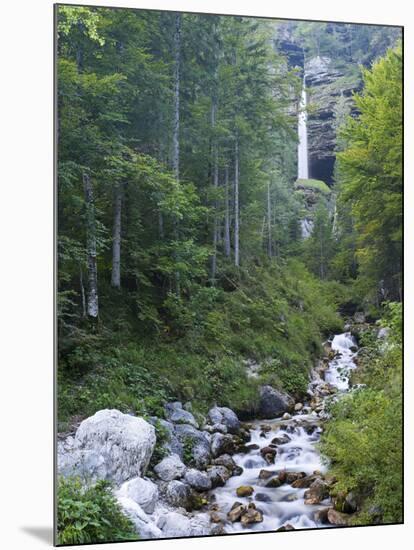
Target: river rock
[(125, 442), (281, 439), (198, 442), (321, 516), (224, 415), (274, 483), (172, 444), (274, 403), (144, 525), (174, 525), (317, 492), (221, 444), (298, 407), (215, 428), (177, 494), (247, 448), (218, 475), (175, 413), (337, 518), (359, 317), (225, 460), (383, 333), (143, 491), (346, 503), (252, 515), (215, 517), (171, 467), (286, 527), (266, 474), (236, 512), (199, 481), (244, 491), (291, 477), (262, 497), (268, 451), (304, 482)]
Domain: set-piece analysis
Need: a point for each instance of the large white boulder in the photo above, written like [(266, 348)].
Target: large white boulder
[(125, 442), (143, 491)]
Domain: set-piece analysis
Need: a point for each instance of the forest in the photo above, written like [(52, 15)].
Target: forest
[(196, 264)]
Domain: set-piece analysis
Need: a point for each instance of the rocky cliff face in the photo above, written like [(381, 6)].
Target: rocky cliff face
[(329, 99)]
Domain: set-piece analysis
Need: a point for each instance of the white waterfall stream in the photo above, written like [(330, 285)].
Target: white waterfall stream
[(303, 172), (285, 504)]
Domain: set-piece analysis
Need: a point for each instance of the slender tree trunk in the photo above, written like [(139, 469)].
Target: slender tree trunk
[(262, 232), (116, 237), (227, 246), (92, 301), (215, 184), (269, 222), (163, 160), (161, 225), (236, 203), (82, 289), (176, 126), (176, 107)]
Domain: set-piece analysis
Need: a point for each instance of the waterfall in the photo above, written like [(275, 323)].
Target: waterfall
[(303, 137)]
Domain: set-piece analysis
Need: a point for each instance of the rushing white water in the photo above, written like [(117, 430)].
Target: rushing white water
[(303, 172), (285, 504), (306, 227), (340, 367)]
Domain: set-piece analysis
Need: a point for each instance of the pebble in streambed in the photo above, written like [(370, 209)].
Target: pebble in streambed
[(283, 485)]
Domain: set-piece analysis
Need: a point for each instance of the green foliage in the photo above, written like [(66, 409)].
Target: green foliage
[(163, 438), (292, 378), (369, 421), (370, 178), (188, 451), (319, 248), (315, 185), (117, 378), (90, 514)]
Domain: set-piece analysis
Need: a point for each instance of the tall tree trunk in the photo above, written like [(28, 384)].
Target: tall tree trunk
[(269, 222), (227, 246), (92, 301), (236, 203), (116, 237), (82, 289), (215, 184), (176, 127), (176, 106)]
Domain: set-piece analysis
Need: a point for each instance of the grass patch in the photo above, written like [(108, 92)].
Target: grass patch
[(314, 185)]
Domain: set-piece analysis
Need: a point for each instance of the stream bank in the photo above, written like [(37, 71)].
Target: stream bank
[(222, 476)]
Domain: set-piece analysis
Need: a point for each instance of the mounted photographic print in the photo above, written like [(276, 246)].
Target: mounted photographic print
[(229, 275)]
